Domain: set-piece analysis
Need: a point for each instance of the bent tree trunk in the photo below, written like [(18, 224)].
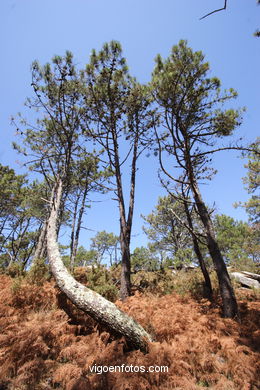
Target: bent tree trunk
[(93, 304), (207, 281), (230, 308)]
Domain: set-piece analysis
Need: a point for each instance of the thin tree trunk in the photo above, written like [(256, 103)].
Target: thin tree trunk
[(21, 234), (77, 232), (125, 289), (11, 260), (116, 254), (41, 243), (72, 235), (3, 225), (41, 248), (230, 308), (93, 304), (207, 281)]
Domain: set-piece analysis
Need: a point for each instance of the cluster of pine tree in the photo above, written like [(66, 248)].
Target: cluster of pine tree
[(88, 124)]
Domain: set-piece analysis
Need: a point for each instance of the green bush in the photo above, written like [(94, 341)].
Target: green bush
[(16, 284), (39, 272), (15, 270), (98, 279)]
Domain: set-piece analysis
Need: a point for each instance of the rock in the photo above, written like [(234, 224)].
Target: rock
[(251, 275), (246, 280)]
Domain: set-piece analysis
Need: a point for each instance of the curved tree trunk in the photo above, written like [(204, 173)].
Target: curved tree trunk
[(93, 304), (207, 281), (230, 307)]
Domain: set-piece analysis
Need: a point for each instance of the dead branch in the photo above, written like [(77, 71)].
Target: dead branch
[(216, 10)]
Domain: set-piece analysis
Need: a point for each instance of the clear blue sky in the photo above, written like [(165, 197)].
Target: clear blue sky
[(39, 29)]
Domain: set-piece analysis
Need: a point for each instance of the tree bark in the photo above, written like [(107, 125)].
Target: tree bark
[(125, 289), (41, 244), (125, 228), (72, 235), (78, 227), (125, 285), (93, 304), (207, 281), (230, 308)]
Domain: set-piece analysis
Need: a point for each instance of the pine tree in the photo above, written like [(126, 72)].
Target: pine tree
[(57, 146), (193, 119), (120, 112)]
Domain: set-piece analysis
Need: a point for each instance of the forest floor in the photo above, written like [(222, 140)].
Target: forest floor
[(44, 347)]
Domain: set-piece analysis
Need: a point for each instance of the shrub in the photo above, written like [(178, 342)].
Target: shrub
[(39, 273), (15, 270), (98, 279)]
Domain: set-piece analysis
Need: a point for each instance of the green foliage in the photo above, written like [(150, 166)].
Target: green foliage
[(83, 258), (100, 280), (182, 86), (121, 117), (252, 181), (56, 144), (11, 191), (107, 74), (143, 259), (167, 231), (16, 284), (15, 270), (252, 244), (165, 282), (55, 140), (104, 105), (38, 273), (22, 209), (4, 261), (105, 244), (190, 104), (237, 242), (188, 283)]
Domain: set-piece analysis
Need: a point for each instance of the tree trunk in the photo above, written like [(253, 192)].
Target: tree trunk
[(72, 235), (230, 308), (93, 304), (77, 232), (125, 287), (41, 248), (207, 281), (41, 244)]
